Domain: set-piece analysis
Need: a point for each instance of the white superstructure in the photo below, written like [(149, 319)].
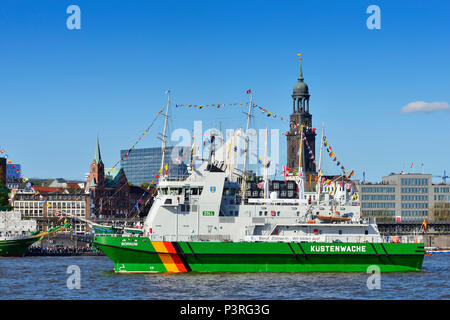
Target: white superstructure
[(12, 225), (208, 206)]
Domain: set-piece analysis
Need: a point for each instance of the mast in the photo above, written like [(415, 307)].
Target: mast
[(319, 182), (244, 169), (193, 154), (300, 169), (164, 137), (266, 173)]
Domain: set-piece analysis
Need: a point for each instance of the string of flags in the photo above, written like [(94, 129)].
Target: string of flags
[(139, 139), (217, 105), (334, 158), (309, 153), (265, 111), (323, 181)]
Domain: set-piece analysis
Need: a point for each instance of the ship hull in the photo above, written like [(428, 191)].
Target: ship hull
[(140, 255), (16, 247)]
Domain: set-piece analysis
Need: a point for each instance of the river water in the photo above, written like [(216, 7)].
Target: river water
[(47, 278)]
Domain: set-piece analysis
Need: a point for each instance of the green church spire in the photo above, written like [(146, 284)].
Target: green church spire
[(300, 76), (98, 157)]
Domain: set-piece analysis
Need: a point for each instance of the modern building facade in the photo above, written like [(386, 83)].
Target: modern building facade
[(143, 165), (404, 197), (13, 175)]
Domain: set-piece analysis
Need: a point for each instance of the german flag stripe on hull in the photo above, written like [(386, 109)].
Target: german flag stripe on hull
[(170, 256)]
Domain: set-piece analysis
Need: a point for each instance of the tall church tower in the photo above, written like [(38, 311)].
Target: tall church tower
[(301, 116), (97, 172)]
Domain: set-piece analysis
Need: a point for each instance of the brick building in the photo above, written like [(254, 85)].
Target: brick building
[(110, 193)]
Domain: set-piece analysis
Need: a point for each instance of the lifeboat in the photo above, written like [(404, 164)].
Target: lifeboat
[(333, 218)]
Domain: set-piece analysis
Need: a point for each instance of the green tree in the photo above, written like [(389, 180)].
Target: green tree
[(144, 185), (4, 198)]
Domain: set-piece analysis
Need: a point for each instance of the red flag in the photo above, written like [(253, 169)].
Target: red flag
[(249, 91)]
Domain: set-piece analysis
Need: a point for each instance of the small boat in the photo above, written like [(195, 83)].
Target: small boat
[(333, 218), (437, 251)]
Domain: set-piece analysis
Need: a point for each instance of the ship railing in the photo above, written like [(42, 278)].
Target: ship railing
[(170, 238), (336, 239)]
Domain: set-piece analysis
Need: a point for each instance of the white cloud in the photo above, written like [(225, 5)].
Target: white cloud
[(422, 106)]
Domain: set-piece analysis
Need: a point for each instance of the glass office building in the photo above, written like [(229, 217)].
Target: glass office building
[(142, 165), (13, 171)]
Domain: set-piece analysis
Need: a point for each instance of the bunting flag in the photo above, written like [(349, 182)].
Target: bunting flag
[(218, 105), (284, 173), (334, 158), (139, 139), (424, 225), (267, 112)]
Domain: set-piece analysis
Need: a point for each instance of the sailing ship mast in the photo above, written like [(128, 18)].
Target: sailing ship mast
[(300, 169), (266, 169), (244, 169), (163, 136), (193, 153), (319, 182)]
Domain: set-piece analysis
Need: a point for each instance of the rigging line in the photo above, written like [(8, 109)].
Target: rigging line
[(149, 127), (140, 138)]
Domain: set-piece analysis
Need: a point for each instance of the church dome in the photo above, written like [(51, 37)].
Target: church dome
[(300, 89)]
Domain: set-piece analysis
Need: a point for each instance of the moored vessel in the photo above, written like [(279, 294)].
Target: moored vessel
[(16, 235)]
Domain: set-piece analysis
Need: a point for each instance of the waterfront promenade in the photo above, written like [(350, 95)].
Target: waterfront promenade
[(63, 251)]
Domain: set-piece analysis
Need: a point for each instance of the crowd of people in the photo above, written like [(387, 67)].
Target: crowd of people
[(62, 251)]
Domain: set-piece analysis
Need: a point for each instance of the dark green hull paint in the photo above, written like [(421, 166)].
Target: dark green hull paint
[(137, 254), (16, 248)]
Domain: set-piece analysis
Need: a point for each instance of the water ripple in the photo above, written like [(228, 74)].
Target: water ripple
[(46, 278)]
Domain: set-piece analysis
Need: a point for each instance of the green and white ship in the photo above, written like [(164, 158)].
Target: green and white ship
[(205, 223), (16, 235)]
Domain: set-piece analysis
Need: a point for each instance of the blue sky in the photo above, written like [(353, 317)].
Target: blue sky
[(59, 88)]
